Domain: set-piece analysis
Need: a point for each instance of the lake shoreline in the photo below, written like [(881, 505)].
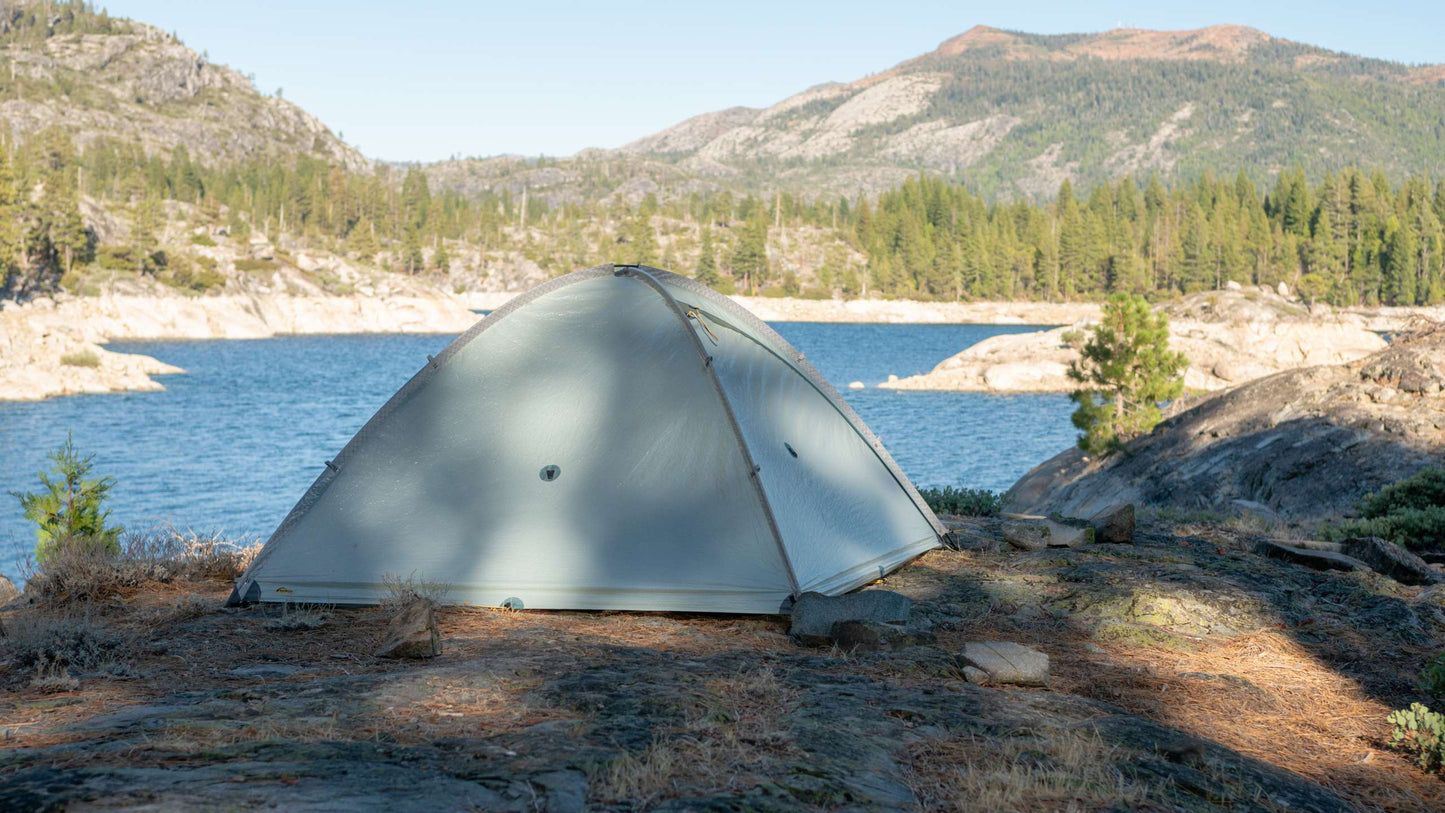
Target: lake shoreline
[(53, 347), (56, 346)]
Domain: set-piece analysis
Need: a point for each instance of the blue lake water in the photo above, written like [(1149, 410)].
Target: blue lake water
[(231, 444)]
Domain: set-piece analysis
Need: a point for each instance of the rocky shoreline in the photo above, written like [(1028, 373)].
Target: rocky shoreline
[(1230, 337), (50, 348)]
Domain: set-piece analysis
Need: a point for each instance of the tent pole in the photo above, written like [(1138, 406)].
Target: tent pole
[(640, 273)]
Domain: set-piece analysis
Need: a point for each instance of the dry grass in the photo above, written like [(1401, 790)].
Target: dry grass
[(296, 617), (61, 641), (163, 555), (1066, 770), (400, 591), (734, 732), (51, 677), (1266, 696)]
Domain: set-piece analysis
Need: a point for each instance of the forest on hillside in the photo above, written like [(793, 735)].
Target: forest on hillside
[(1351, 239)]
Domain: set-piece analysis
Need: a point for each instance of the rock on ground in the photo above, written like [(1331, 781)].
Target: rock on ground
[(814, 614), (1004, 662), (1026, 534), (1056, 532), (1392, 560), (1312, 558), (1114, 525), (412, 632), (8, 592)]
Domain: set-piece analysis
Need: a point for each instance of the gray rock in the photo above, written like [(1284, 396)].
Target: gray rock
[(814, 614), (1114, 525), (566, 791), (1392, 560), (412, 632), (869, 636), (1313, 559), (1068, 532), (8, 592), (1004, 662), (1026, 534)]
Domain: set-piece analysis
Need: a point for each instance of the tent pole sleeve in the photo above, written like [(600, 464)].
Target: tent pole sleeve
[(706, 359)]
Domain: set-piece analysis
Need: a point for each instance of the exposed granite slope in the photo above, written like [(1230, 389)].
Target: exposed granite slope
[(1307, 443)]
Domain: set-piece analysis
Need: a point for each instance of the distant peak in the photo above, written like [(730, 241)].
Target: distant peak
[(1224, 42), (980, 36)]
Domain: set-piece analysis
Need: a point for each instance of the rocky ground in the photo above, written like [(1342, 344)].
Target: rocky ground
[(1302, 446), (1187, 674), (1229, 337)]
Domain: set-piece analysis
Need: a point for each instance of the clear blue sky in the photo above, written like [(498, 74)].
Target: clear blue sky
[(424, 81)]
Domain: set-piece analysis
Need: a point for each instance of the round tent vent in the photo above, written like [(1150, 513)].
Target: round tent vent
[(550, 473)]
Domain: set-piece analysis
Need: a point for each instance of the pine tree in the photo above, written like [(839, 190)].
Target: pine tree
[(362, 240), (440, 259), (68, 512), (706, 271), (10, 242), (750, 256), (145, 221), (642, 242), (1125, 372)]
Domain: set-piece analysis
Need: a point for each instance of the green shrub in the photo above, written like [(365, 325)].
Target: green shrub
[(84, 358), (773, 292), (1432, 677), (202, 239), (1420, 732), (1410, 512), (968, 502), (115, 258), (68, 512), (812, 292), (185, 276)]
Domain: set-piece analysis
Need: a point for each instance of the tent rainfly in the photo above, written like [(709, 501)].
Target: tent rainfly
[(620, 438)]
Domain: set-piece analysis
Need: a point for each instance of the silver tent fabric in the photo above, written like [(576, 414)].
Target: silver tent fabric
[(619, 438)]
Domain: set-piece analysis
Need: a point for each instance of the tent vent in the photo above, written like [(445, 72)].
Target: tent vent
[(791, 450), (512, 603), (550, 473)]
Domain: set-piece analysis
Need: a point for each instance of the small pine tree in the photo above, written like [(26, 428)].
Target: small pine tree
[(362, 240), (68, 512), (440, 259), (1126, 371), (706, 272)]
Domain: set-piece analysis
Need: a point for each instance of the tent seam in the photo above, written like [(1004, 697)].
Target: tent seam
[(753, 468), (821, 384)]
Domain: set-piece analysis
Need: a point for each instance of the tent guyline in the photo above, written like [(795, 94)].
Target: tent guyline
[(575, 450)]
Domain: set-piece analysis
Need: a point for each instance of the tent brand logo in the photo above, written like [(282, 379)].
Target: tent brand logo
[(550, 473)]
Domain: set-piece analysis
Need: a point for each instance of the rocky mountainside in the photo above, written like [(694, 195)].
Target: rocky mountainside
[(1018, 113), (1305, 444), (95, 76)]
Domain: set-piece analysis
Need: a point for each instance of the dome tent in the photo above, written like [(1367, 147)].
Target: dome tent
[(617, 438)]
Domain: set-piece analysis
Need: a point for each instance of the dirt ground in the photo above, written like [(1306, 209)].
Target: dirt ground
[(1187, 674)]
